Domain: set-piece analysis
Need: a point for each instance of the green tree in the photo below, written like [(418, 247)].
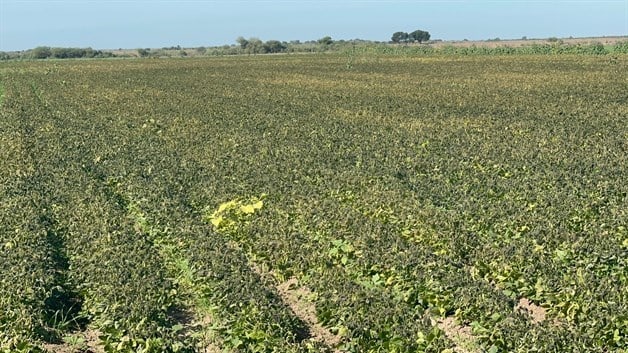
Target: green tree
[(419, 36), (41, 53), (325, 41), (143, 52), (274, 46), (242, 42), (255, 46), (398, 37), (68, 53)]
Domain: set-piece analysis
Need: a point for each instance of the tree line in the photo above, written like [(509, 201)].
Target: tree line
[(67, 53), (256, 46), (416, 36)]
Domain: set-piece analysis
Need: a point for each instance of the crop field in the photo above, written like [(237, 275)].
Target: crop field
[(315, 203)]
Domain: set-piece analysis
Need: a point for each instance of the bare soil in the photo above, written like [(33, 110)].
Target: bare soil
[(460, 335), (298, 299), (536, 313), (208, 345), (192, 323), (89, 344)]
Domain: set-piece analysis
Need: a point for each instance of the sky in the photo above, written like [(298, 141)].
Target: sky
[(112, 24)]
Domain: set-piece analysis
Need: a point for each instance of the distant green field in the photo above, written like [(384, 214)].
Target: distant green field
[(315, 203)]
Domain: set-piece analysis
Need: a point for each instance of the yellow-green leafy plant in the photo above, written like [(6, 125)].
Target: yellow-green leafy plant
[(230, 215)]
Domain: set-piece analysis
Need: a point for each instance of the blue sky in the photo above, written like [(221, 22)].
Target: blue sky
[(111, 24)]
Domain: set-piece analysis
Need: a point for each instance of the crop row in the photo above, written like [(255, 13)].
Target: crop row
[(400, 191), (94, 266)]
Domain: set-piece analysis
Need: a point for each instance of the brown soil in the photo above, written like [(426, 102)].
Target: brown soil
[(208, 344), (298, 299), (90, 340), (536, 313), (90, 344), (197, 323), (190, 324), (460, 335)]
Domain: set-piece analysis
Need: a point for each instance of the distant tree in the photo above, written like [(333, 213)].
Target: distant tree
[(69, 53), (91, 53), (598, 49), (274, 46), (325, 41), (41, 53), (398, 37), (242, 42), (255, 46), (419, 36), (60, 53), (143, 52)]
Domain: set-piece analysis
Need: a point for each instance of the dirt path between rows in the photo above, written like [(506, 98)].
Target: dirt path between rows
[(298, 299), (86, 342), (461, 336), (537, 314)]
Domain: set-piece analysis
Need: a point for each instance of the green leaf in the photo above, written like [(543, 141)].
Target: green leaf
[(236, 342), (257, 335)]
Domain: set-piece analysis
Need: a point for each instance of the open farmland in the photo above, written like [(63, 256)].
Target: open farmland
[(315, 203)]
